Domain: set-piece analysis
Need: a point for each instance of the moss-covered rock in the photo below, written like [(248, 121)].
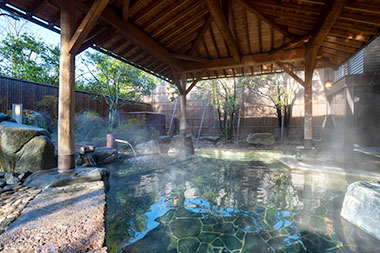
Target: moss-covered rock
[(25, 148)]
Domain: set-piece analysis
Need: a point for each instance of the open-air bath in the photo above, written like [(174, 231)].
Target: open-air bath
[(189, 126)]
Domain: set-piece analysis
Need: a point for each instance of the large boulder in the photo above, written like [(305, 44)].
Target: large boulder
[(164, 143), (151, 147), (6, 117), (361, 206), (261, 139), (104, 155), (181, 145), (33, 118), (51, 178), (25, 148)]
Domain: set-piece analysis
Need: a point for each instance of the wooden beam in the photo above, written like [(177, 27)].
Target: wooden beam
[(252, 8), (97, 37), (189, 57), (326, 21), (125, 10), (87, 24), (139, 38), (176, 80), (197, 79), (202, 32), (291, 43), (248, 60), (220, 20), (291, 73)]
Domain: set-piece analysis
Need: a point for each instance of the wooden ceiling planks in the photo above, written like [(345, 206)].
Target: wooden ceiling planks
[(260, 29)]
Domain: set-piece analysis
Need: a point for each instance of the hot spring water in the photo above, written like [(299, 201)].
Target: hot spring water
[(224, 201)]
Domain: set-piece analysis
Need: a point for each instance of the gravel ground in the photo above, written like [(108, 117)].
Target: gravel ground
[(64, 219)]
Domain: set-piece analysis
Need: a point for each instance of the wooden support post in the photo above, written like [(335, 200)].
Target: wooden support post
[(182, 120), (66, 144), (310, 62)]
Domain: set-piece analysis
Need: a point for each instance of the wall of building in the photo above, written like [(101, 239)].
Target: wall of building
[(355, 104)]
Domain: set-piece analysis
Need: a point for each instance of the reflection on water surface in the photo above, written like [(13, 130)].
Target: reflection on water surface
[(221, 202)]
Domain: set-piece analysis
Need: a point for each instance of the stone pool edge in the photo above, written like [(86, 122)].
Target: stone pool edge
[(68, 218), (292, 163)]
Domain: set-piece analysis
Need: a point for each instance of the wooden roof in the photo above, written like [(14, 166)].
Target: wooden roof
[(212, 39)]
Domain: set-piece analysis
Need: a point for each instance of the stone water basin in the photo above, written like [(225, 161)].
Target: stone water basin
[(228, 201)]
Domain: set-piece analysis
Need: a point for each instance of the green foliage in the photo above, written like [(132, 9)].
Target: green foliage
[(89, 126), (115, 80), (49, 104), (277, 88), (225, 95), (29, 58)]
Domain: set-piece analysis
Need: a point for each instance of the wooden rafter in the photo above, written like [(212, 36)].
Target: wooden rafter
[(184, 26), (326, 21), (291, 73), (125, 12), (220, 20), (185, 44), (248, 60), (147, 11), (202, 32), (94, 39), (356, 28), (162, 15), (127, 49), (116, 45), (183, 36), (183, 15), (197, 79), (292, 43), (87, 24), (139, 38), (369, 8), (189, 58), (36, 6), (260, 34), (252, 8), (290, 7)]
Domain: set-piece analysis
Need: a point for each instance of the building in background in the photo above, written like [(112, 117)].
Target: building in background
[(354, 99)]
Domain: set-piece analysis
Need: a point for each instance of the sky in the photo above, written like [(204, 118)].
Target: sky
[(9, 24)]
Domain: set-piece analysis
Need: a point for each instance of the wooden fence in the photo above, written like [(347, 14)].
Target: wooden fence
[(256, 114), (18, 91)]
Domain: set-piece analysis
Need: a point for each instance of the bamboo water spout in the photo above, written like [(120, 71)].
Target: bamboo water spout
[(126, 142)]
